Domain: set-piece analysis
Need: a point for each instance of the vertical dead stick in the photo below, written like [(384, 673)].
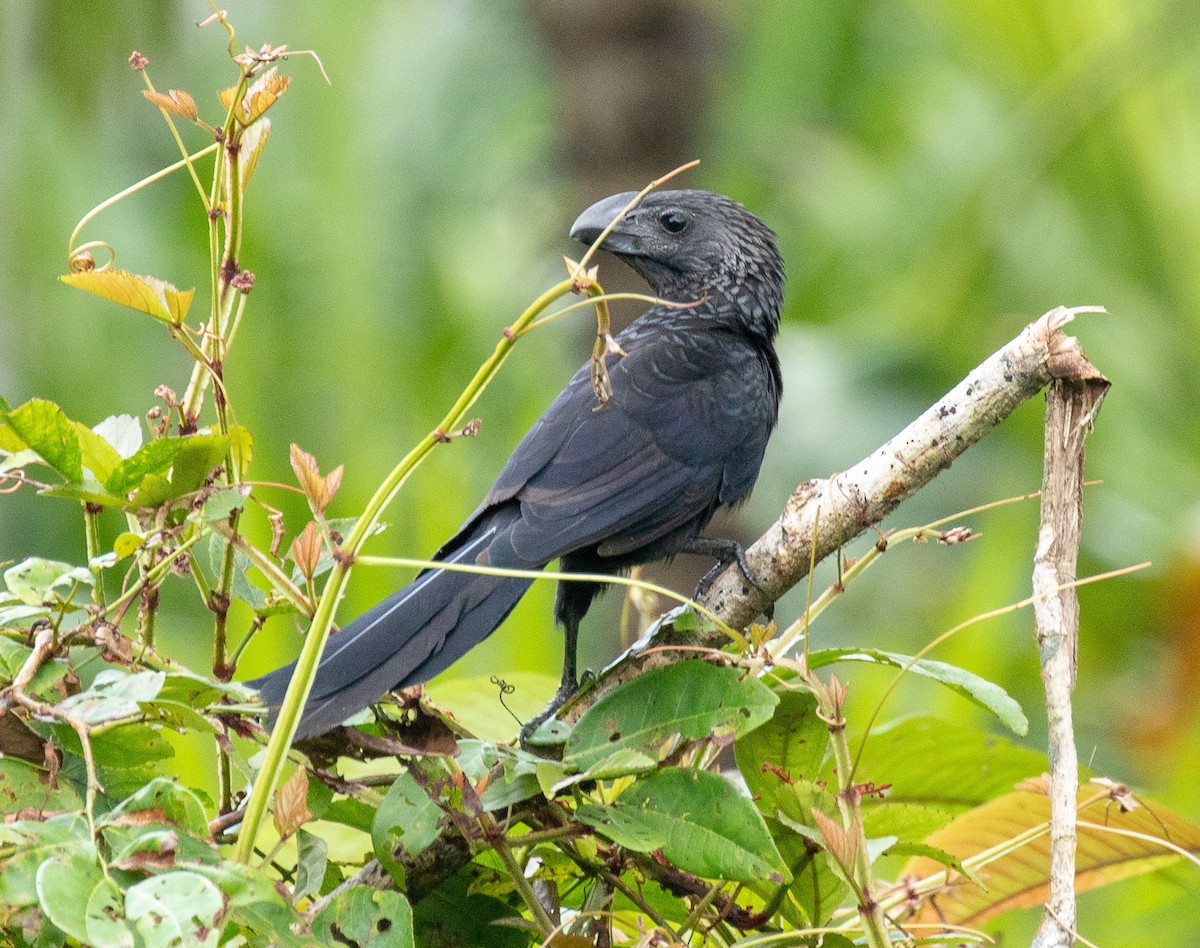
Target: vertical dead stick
[(1071, 405)]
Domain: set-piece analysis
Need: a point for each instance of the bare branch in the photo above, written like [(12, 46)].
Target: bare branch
[(830, 512), (1071, 406)]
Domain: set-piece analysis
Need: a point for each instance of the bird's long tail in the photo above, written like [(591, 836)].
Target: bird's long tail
[(410, 636)]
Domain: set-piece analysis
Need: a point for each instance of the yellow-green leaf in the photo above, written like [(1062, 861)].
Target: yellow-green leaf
[(241, 444), (1020, 878), (254, 139), (260, 96), (99, 456), (146, 294), (126, 544), (42, 426)]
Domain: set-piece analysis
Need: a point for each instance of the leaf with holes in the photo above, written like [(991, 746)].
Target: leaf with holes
[(407, 820), (36, 581), (699, 821), (175, 908), (788, 748), (366, 917), (693, 699)]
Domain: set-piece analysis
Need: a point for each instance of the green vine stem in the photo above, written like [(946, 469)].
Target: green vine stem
[(265, 565), (193, 396), (314, 643), (91, 529), (132, 189)]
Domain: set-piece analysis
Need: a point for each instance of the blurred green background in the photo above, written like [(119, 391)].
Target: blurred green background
[(940, 172)]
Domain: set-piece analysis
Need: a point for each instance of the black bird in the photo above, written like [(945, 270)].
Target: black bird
[(599, 487)]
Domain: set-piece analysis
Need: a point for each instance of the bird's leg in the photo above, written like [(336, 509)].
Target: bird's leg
[(567, 686)]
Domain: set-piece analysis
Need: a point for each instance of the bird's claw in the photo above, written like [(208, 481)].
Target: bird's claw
[(566, 691)]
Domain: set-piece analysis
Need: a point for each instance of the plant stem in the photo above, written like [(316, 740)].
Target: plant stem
[(314, 643), (133, 189), (193, 396), (516, 874), (277, 577), (869, 910), (91, 525)]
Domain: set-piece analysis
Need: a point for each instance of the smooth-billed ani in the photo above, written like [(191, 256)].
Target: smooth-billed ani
[(599, 487)]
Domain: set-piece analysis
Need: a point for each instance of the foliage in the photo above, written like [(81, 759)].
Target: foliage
[(642, 824)]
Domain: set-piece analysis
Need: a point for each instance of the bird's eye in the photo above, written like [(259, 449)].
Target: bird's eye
[(673, 222)]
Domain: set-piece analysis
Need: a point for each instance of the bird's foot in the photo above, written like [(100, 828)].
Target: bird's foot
[(567, 690), (728, 552)]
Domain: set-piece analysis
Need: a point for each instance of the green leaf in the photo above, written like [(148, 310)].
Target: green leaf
[(973, 766), (252, 901), (63, 883), (153, 458), (175, 908), (243, 588), (406, 819), (816, 892), (554, 779), (34, 843), (367, 918), (120, 748), (11, 615), (699, 821), (517, 779), (98, 455), (925, 851), (241, 444), (105, 917), (631, 830), (220, 505), (114, 694), (44, 428), (694, 699), (123, 432), (908, 822), (982, 692), (154, 491), (311, 863), (178, 804), (351, 812), (789, 747), (198, 455), (199, 691), (127, 544), (87, 491), (33, 580), (146, 294)]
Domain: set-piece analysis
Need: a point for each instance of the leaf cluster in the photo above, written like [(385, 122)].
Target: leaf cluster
[(722, 800)]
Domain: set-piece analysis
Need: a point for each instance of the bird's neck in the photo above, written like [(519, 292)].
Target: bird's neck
[(747, 306)]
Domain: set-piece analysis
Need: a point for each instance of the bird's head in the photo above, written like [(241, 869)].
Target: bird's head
[(687, 244)]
